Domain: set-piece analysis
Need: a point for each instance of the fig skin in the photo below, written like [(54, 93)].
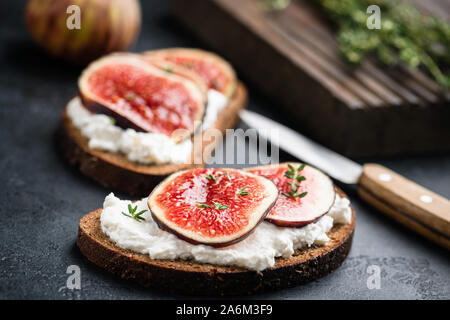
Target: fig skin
[(298, 224), (302, 223), (106, 26), (99, 108), (217, 245)]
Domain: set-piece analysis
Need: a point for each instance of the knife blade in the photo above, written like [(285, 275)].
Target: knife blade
[(301, 147), (414, 206)]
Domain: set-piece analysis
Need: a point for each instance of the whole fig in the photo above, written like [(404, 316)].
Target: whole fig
[(81, 30)]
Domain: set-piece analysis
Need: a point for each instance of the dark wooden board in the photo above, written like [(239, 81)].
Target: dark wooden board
[(291, 55)]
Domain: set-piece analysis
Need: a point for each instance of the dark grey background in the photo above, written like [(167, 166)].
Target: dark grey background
[(42, 198)]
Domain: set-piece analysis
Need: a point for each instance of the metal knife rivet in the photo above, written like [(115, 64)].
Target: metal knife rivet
[(385, 177), (426, 198)]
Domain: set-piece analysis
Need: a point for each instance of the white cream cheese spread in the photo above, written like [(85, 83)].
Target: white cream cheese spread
[(141, 147), (257, 252)]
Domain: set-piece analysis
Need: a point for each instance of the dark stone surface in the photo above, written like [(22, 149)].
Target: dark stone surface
[(42, 198)]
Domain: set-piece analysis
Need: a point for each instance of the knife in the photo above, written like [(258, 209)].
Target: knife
[(410, 204)]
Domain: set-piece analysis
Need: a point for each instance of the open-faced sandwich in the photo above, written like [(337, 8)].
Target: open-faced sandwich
[(136, 115), (224, 231)]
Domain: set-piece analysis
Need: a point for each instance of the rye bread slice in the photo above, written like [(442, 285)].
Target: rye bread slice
[(114, 171), (192, 278)]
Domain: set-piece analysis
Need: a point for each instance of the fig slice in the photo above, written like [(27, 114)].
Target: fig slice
[(313, 197), (217, 73), (173, 68), (215, 207), (142, 96)]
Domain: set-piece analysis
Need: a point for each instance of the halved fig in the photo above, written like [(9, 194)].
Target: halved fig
[(301, 200), (142, 96), (215, 71), (215, 207)]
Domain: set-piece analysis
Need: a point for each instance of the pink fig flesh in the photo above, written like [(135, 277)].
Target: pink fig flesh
[(216, 73), (215, 207), (295, 211)]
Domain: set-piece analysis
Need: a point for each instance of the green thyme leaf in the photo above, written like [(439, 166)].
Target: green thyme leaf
[(301, 195), (130, 96), (288, 174), (202, 205), (275, 4), (293, 187), (242, 192), (211, 177), (141, 212), (220, 206), (132, 213), (112, 120)]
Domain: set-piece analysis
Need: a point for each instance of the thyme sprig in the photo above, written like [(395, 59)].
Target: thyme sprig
[(407, 35), (211, 177), (133, 214), (295, 175)]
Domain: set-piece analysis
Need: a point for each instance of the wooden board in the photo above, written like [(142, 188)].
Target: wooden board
[(292, 57)]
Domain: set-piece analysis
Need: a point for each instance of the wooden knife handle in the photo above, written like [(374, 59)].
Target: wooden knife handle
[(416, 207)]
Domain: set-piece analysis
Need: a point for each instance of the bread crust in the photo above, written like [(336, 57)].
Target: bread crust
[(114, 171), (192, 278)]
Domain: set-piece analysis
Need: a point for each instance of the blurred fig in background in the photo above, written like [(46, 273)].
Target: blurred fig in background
[(104, 26)]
